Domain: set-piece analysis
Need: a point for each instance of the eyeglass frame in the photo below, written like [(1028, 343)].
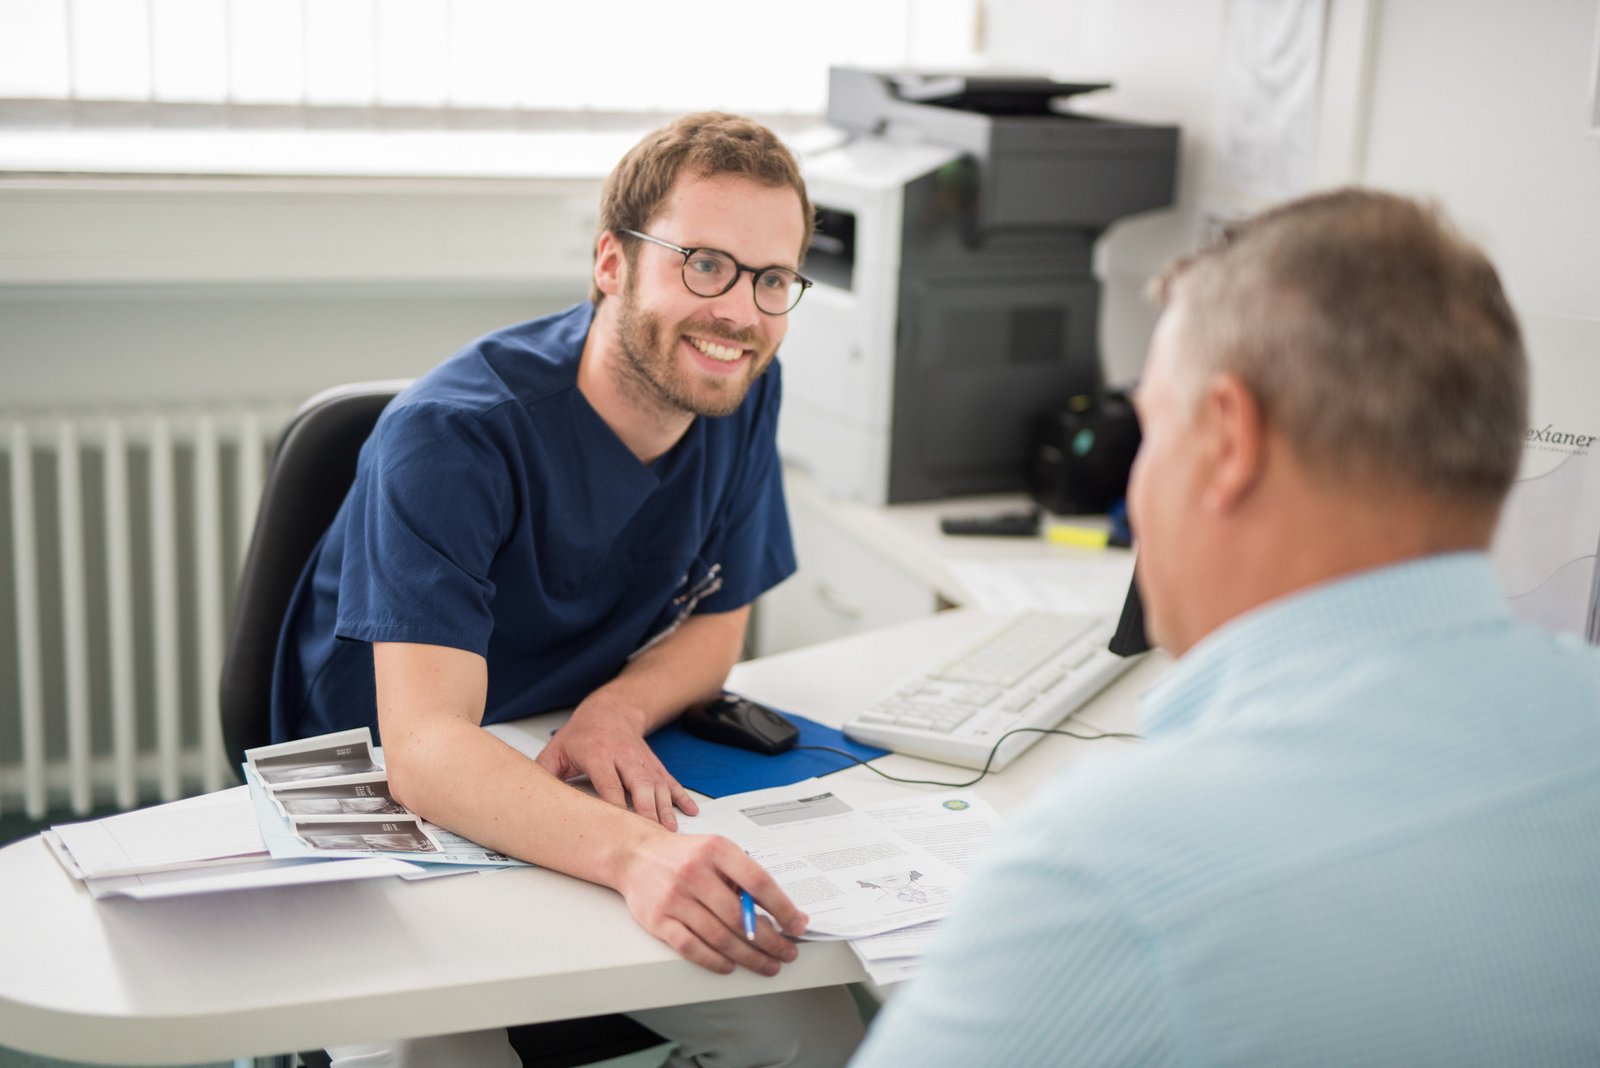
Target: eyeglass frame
[(738, 270)]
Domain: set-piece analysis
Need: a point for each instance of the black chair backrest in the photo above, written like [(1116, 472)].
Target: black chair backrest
[(312, 468)]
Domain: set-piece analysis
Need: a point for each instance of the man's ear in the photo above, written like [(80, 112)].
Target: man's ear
[(1239, 436), (610, 264)]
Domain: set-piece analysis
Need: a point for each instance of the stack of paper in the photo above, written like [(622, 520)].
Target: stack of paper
[(198, 845), (316, 810), (878, 875)]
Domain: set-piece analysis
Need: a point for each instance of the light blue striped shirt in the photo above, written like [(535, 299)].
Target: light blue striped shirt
[(1365, 830)]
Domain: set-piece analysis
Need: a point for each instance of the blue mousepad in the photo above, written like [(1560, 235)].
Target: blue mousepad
[(718, 770)]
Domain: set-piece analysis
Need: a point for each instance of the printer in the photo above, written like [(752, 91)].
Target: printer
[(956, 304)]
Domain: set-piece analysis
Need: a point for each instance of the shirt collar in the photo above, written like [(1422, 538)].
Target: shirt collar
[(1380, 609)]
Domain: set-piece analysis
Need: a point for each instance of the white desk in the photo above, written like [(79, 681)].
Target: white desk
[(261, 972), (868, 566)]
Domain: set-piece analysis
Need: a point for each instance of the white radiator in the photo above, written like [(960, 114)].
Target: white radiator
[(121, 537)]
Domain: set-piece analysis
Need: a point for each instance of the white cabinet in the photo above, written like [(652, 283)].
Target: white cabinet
[(845, 583)]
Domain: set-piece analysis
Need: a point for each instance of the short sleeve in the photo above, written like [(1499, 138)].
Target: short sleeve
[(756, 547), (431, 505)]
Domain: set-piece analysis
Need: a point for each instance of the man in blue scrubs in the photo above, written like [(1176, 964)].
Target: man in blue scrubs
[(577, 512), (1365, 826)]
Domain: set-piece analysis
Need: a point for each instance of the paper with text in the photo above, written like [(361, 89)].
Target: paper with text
[(854, 874)]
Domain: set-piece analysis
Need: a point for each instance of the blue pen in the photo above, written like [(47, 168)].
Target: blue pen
[(747, 906)]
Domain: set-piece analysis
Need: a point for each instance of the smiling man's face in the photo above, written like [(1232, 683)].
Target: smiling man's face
[(695, 354)]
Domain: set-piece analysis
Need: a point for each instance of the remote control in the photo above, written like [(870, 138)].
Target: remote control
[(1004, 524)]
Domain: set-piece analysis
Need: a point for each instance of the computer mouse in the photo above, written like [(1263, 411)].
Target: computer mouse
[(740, 722)]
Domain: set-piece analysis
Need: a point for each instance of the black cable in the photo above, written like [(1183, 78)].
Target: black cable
[(992, 751)]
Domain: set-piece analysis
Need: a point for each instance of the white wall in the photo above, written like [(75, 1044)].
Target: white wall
[(155, 346), (1485, 106), (148, 291), (1487, 111)]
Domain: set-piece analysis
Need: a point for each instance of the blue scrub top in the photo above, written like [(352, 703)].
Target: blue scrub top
[(493, 510)]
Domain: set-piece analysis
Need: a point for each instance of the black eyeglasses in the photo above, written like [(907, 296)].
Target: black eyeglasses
[(709, 272)]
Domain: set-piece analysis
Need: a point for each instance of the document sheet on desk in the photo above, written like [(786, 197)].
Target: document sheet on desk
[(1091, 586), (211, 829), (199, 845), (857, 871), (954, 827)]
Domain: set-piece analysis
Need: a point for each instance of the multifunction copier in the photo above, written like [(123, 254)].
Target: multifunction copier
[(956, 303)]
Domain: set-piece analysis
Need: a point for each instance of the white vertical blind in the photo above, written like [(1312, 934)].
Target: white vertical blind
[(110, 48), (410, 34), (33, 49), (341, 52), (189, 51), (562, 72), (489, 44), (622, 55), (266, 52)]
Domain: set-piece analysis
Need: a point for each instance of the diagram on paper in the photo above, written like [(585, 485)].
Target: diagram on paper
[(908, 887)]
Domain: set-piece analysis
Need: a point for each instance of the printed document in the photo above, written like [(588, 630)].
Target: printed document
[(853, 872), (954, 827)]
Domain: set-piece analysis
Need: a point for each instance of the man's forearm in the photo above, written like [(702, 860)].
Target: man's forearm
[(686, 667), (451, 771)]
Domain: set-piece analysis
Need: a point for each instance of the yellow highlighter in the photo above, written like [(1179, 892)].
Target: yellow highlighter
[(1077, 537), (1117, 537)]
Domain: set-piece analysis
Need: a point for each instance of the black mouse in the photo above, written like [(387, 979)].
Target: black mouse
[(740, 722)]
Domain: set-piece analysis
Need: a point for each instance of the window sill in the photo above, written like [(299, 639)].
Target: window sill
[(560, 155), (571, 153), (273, 207)]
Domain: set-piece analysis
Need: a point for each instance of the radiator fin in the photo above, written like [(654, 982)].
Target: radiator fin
[(121, 539)]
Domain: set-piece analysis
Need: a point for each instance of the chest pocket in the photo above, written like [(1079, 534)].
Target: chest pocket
[(584, 550), (666, 543), (570, 567), (676, 562)]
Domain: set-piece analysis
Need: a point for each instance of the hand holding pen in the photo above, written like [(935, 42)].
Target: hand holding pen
[(698, 894)]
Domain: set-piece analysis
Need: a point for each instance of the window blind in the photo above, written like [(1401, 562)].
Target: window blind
[(513, 55)]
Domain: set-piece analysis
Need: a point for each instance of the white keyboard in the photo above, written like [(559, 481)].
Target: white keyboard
[(1031, 670)]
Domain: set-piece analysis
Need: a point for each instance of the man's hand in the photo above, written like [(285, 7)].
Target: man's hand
[(684, 889), (604, 740)]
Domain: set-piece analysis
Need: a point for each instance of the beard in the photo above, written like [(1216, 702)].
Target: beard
[(654, 372)]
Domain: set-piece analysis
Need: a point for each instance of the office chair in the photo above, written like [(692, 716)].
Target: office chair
[(312, 468)]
